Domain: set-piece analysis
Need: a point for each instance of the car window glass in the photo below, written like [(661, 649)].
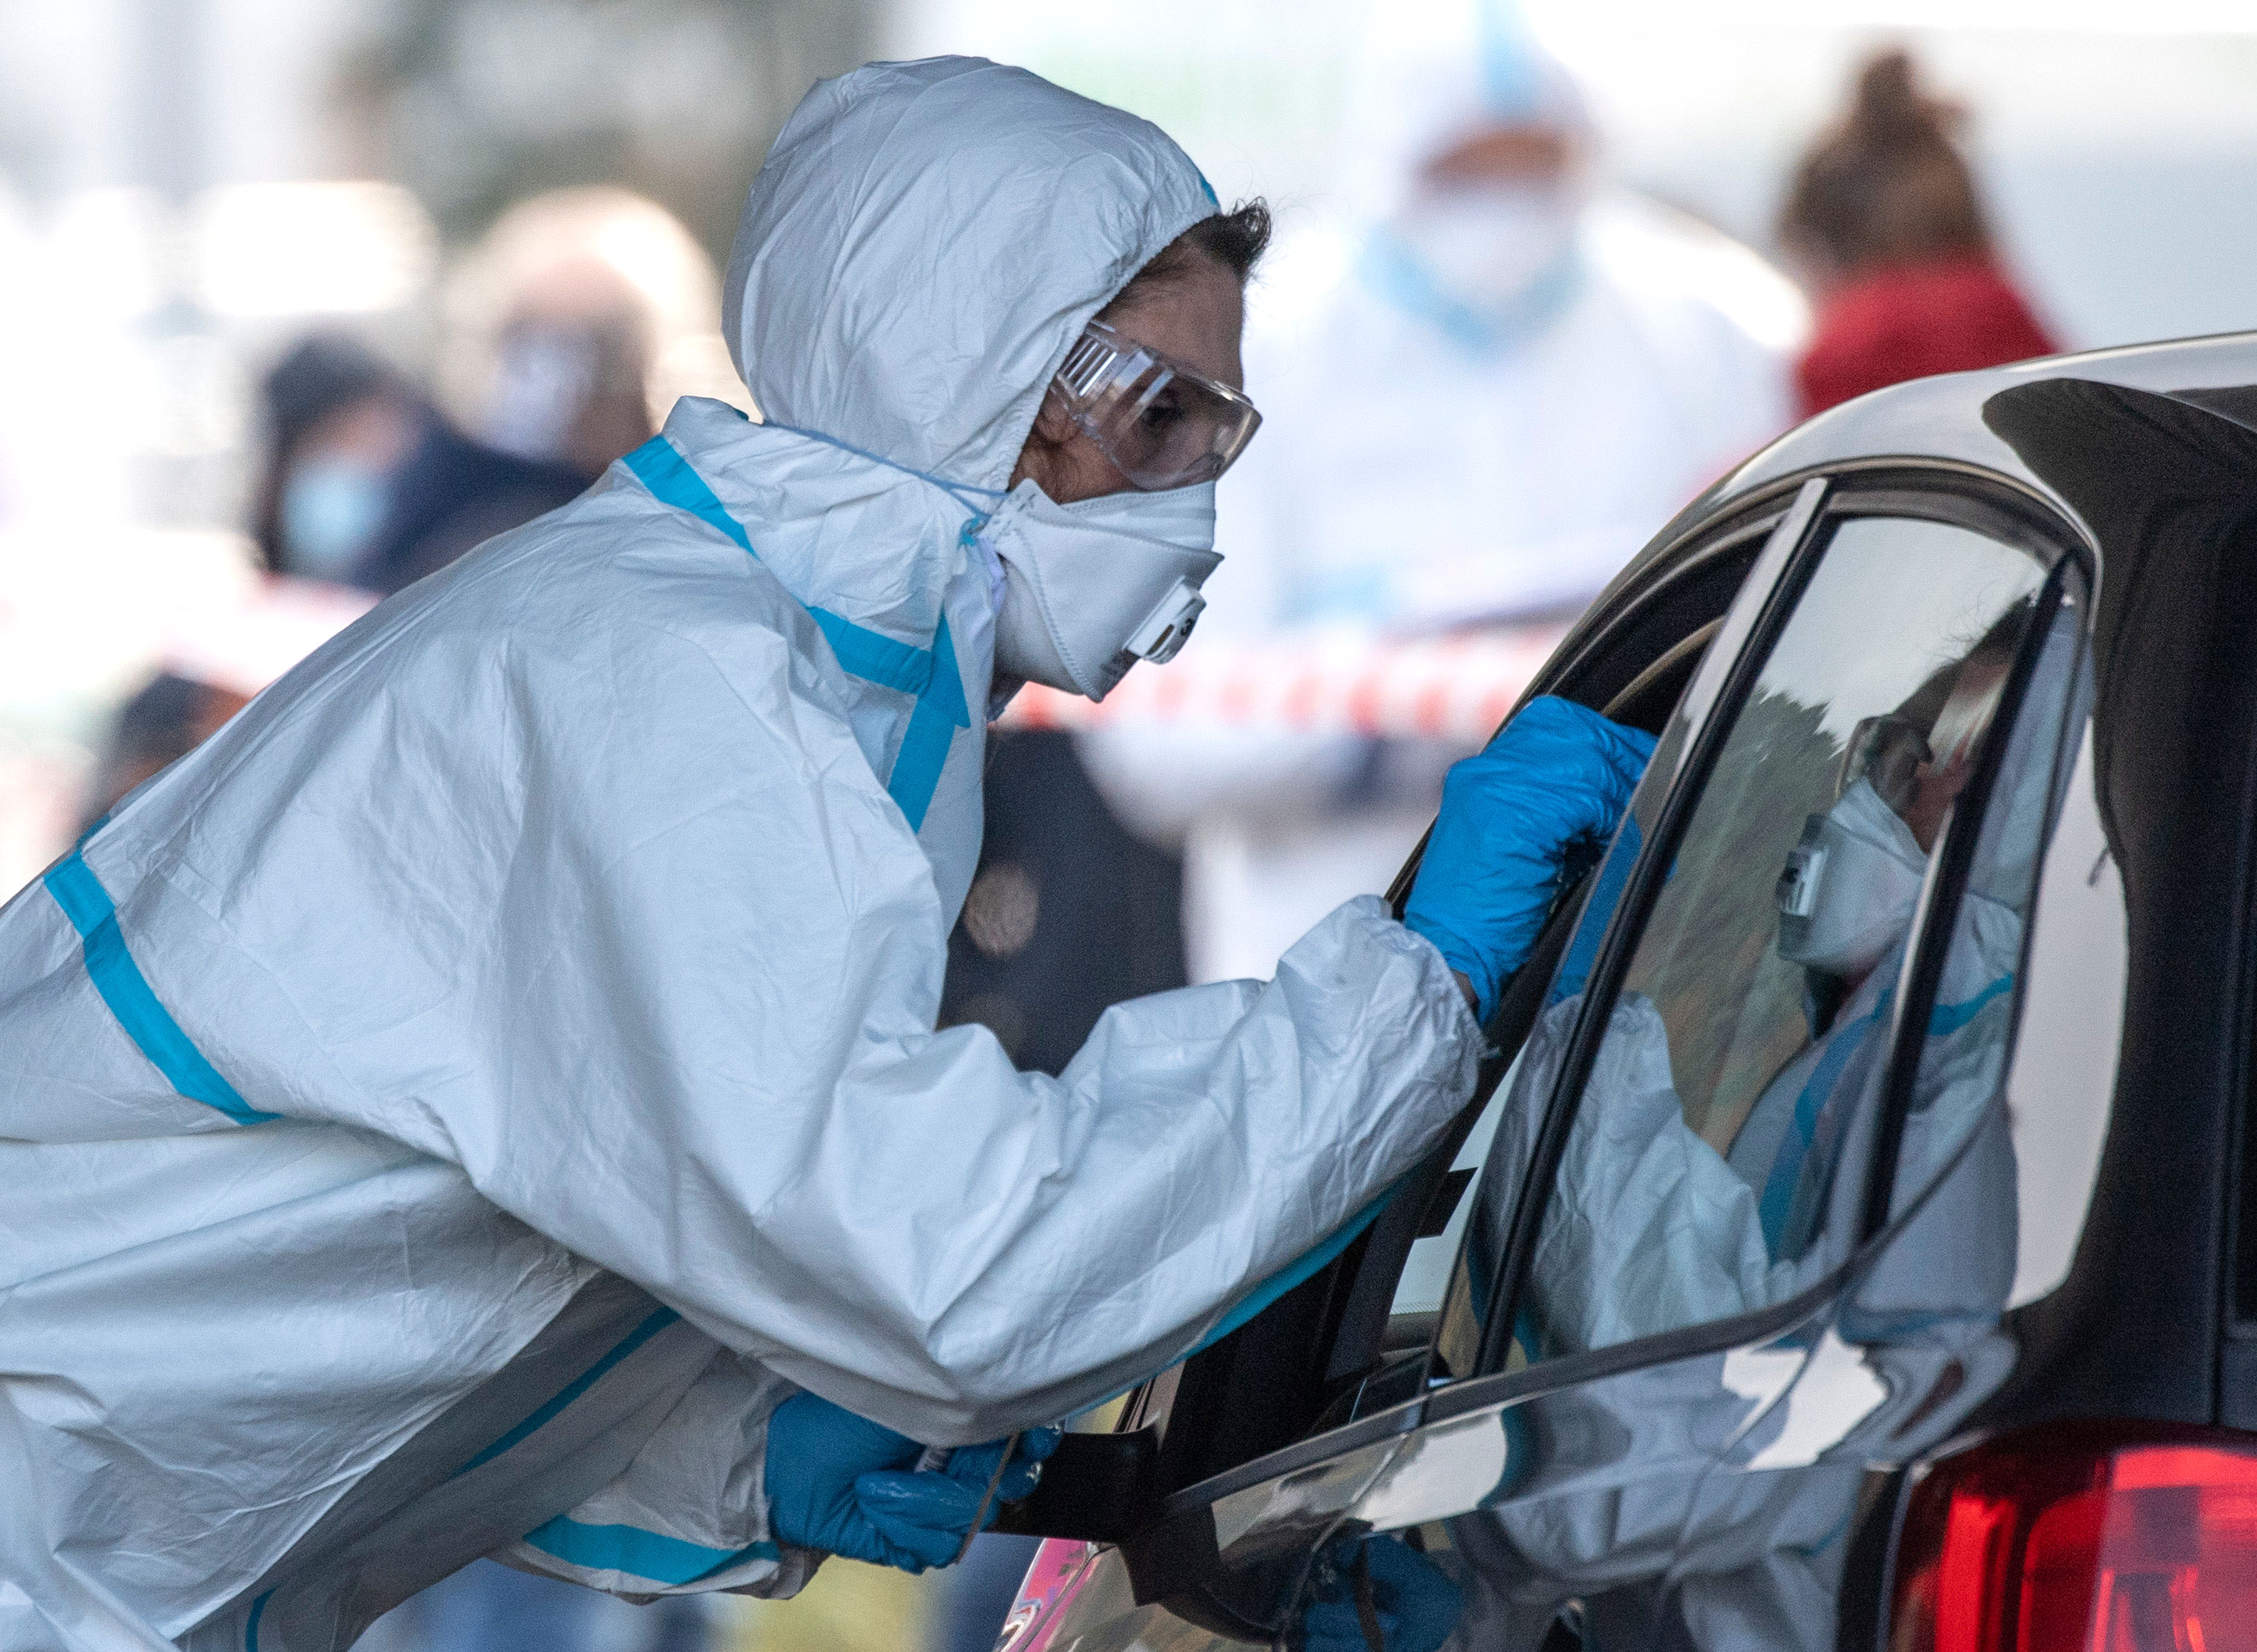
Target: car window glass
[(1703, 1174), (1959, 1156)]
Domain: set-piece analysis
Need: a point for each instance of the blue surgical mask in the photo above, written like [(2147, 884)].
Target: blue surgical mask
[(331, 509)]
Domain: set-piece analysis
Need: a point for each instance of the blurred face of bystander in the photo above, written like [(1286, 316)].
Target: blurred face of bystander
[(1507, 156), (337, 488)]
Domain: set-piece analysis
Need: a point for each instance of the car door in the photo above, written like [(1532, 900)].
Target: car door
[(1750, 1208), (1678, 1185), (1243, 1457)]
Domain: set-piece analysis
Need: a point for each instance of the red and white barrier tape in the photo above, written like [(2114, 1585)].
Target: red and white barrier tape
[(1453, 688), (244, 645)]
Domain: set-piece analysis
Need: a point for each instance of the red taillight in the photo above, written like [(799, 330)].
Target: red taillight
[(2083, 1538)]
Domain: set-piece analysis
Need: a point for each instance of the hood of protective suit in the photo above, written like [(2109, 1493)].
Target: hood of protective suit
[(918, 310), (1428, 80)]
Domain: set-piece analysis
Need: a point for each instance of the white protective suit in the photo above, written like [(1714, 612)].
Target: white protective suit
[(1414, 475), (447, 1112)]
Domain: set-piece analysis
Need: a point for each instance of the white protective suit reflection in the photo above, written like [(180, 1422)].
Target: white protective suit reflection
[(1652, 1231), (1429, 461), (460, 1100)]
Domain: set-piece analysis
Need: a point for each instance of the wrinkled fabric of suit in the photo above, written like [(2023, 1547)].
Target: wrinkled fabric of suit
[(448, 1111)]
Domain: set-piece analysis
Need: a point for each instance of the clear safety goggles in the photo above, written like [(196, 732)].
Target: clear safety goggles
[(1161, 424)]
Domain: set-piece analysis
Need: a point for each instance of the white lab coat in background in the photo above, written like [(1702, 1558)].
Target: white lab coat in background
[(1406, 480)]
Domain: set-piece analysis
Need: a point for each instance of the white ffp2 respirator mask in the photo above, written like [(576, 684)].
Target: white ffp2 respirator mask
[(1848, 892), (1489, 249), (1090, 588)]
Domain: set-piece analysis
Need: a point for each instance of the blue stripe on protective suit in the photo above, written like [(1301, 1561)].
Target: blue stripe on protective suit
[(1802, 1127), (122, 987), (650, 1327), (1950, 1017), (671, 1561), (1785, 1177), (940, 712), (929, 674)]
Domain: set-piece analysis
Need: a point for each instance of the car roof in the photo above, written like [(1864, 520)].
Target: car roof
[(1936, 420), (1943, 417)]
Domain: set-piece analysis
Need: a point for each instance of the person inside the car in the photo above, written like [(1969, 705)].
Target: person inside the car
[(1652, 1228)]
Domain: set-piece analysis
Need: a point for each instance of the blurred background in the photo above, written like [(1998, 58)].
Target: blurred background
[(300, 299)]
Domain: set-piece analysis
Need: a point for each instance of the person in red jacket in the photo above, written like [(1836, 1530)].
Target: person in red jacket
[(1884, 223)]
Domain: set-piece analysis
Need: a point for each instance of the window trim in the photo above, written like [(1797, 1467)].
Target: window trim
[(1945, 886), (1937, 485), (1729, 679)]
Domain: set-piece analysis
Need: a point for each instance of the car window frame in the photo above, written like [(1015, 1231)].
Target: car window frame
[(1931, 481), (1978, 501), (1586, 663)]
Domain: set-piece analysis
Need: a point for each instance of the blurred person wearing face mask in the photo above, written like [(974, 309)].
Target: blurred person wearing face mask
[(1886, 227), (1482, 398), (366, 484)]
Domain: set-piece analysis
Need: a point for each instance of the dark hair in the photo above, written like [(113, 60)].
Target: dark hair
[(318, 376), (1887, 184), (1234, 240)]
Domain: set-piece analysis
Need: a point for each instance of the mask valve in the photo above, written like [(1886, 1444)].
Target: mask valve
[(1798, 880), (1168, 626)]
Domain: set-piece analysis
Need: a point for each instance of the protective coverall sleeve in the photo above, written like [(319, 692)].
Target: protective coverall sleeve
[(680, 1019), (690, 1513)]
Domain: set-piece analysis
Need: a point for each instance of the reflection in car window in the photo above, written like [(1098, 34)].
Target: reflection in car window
[(1714, 1163)]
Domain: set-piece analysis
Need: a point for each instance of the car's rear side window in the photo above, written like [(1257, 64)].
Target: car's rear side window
[(1716, 1160)]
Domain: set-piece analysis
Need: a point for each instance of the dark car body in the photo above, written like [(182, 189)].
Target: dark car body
[(1854, 1253)]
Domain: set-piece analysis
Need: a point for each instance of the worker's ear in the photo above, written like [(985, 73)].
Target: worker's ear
[(1043, 456), (1053, 425)]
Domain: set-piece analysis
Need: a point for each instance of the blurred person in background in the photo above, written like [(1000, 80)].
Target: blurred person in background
[(366, 484), (1886, 227), (168, 717), (578, 314), (1479, 404)]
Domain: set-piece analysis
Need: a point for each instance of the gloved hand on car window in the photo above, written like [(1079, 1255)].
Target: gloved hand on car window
[(847, 1486), (1556, 773)]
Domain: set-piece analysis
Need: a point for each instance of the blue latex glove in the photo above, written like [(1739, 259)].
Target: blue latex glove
[(1414, 1603), (1556, 773), (843, 1484), (929, 1514), (815, 1452)]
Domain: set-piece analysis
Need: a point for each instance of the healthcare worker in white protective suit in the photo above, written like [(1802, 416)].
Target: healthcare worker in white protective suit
[(486, 1099), (1480, 399)]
